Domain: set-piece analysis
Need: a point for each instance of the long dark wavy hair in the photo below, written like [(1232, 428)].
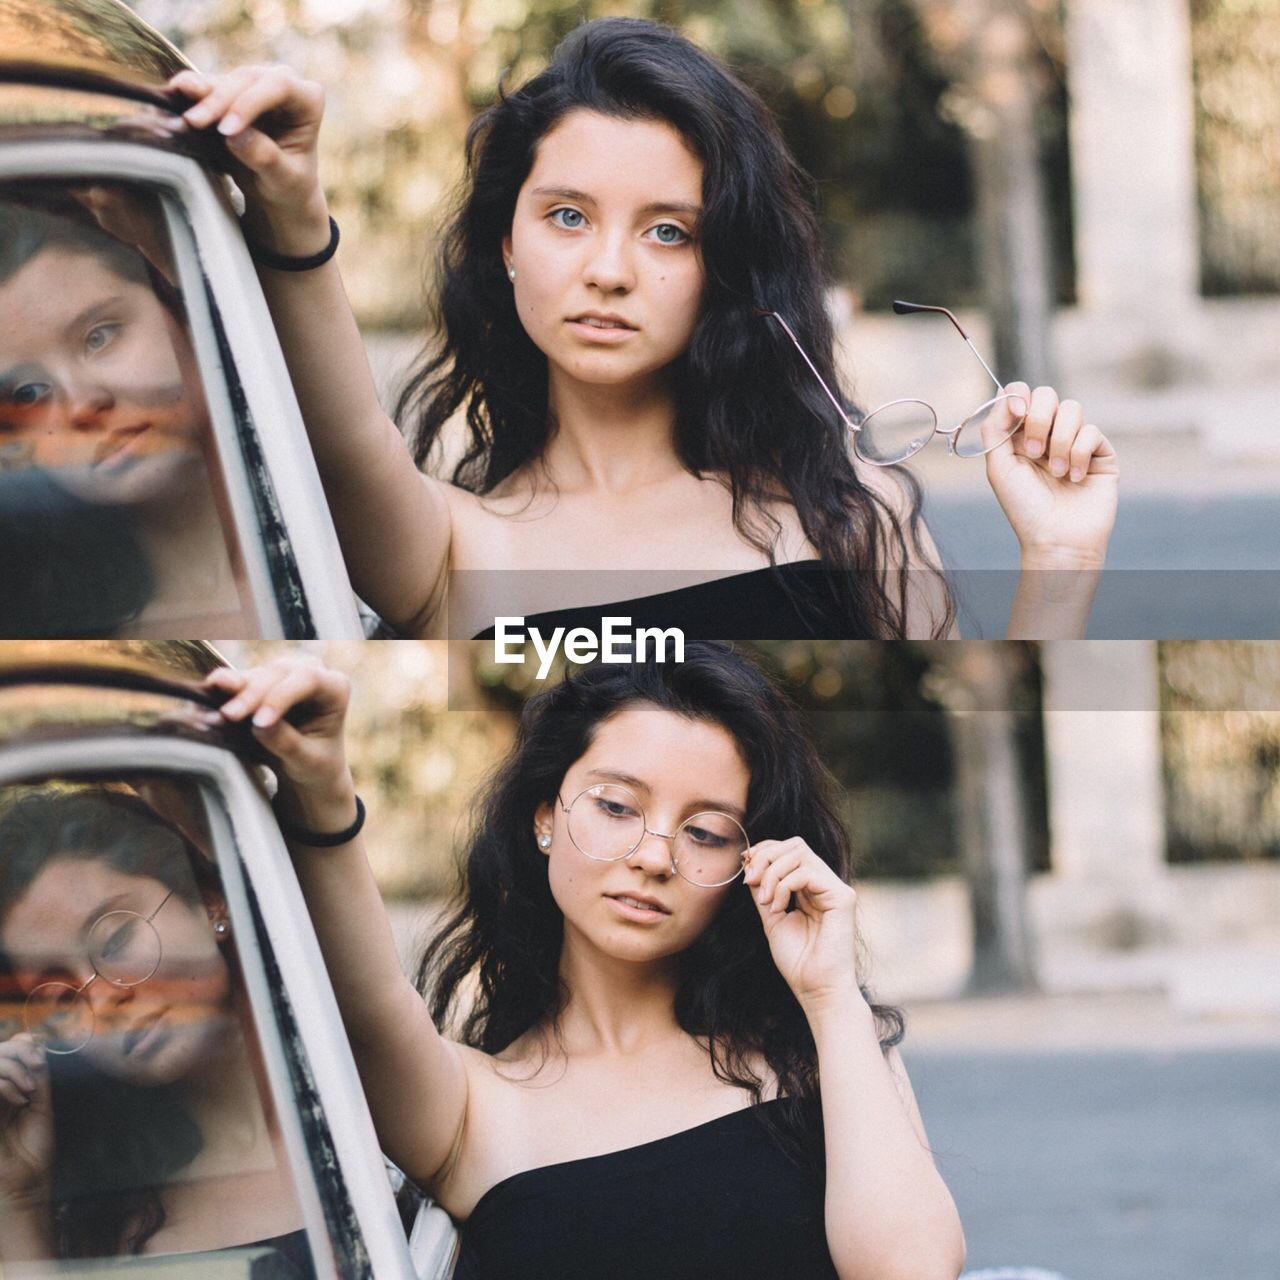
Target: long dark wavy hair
[(116, 1143), (747, 409), (492, 972)]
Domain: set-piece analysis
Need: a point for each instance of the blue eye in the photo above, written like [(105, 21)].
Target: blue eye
[(29, 394), (570, 219), (669, 233), (100, 336)]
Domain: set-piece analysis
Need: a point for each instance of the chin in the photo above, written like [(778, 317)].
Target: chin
[(186, 1049), (166, 475)]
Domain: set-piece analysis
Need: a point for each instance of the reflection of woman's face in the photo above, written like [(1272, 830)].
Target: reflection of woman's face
[(156, 1032), (94, 381), (638, 909)]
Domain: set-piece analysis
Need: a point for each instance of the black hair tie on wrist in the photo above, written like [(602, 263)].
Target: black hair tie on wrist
[(282, 262), (321, 839)]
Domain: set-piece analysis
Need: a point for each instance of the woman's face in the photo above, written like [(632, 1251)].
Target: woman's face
[(156, 1032), (97, 381), (608, 278), (638, 908)]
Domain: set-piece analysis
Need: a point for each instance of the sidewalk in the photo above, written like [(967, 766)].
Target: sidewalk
[(1110, 1022)]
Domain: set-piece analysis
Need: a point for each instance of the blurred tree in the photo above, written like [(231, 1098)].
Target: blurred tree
[(983, 689), (989, 49)]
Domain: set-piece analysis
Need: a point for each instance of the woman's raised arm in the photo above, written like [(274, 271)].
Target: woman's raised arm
[(413, 1078), (392, 521), (889, 1216)]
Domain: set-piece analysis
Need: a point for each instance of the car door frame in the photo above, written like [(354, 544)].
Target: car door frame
[(294, 561), (256, 871)]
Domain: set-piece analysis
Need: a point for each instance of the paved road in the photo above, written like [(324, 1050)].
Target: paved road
[(1178, 567), (1111, 1166)]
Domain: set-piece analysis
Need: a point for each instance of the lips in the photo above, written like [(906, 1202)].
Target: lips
[(140, 1036), (639, 902), (603, 320), (118, 442)]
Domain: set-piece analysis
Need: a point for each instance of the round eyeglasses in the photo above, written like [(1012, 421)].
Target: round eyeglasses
[(124, 949), (897, 431), (607, 823)]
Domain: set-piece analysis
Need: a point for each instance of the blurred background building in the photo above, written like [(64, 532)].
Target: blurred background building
[(1084, 818)]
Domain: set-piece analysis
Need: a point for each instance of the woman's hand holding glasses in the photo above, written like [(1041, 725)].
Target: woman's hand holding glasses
[(26, 1133), (1057, 480), (813, 943)]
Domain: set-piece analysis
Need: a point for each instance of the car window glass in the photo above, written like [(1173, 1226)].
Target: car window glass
[(114, 509), (135, 1118)]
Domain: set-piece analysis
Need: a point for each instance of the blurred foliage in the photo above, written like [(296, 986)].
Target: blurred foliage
[(1236, 56), (864, 101), (1220, 730)]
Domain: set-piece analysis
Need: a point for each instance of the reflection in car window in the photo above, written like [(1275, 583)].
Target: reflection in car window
[(133, 1119), (113, 509)]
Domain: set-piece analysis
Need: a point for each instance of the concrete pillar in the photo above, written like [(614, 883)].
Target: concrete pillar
[(1133, 158), (1102, 747)]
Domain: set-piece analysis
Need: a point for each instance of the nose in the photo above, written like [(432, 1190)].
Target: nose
[(653, 855), (609, 267), (104, 997), (87, 399)]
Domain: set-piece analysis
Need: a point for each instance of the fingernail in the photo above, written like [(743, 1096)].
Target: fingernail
[(1034, 448), (1077, 474), (197, 115), (230, 124), (264, 717), (1058, 467), (761, 896)]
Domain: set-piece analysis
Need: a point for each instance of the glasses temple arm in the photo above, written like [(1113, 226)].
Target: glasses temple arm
[(908, 308), (165, 899), (804, 355)]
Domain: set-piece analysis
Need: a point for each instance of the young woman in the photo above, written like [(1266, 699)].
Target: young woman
[(644, 1050), (100, 396), (131, 1118), (633, 255)]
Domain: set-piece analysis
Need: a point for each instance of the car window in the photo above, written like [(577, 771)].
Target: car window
[(116, 504), (164, 1113)]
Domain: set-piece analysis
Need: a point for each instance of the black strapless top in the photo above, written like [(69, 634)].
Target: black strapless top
[(795, 601), (721, 1201)]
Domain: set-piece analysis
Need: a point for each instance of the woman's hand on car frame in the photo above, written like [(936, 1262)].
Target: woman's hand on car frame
[(296, 708), (270, 118)]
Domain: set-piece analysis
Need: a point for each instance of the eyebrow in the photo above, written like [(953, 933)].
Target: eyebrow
[(105, 907), (694, 806), (89, 312), (654, 206)]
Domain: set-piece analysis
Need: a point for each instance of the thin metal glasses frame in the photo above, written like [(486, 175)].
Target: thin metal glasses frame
[(951, 433), (77, 993), (646, 830)]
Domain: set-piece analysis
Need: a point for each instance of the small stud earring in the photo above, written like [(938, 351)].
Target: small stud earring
[(221, 928), (511, 273), (544, 842)]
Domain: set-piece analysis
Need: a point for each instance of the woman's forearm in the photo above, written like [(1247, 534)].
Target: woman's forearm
[(26, 1235), (888, 1212), (397, 561), (1054, 597), (412, 1078)]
